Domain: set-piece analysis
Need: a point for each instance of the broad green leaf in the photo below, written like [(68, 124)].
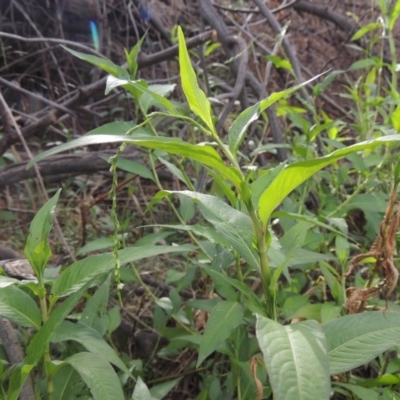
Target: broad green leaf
[(360, 392), (37, 250), (96, 308), (296, 357), (196, 98), (361, 64), (294, 175), (355, 340), (255, 302), (67, 383), (134, 167), (98, 375), (102, 63), (148, 101), (114, 128), (88, 338), (95, 245), (141, 391), (42, 338), (224, 318), (365, 29), (140, 87), (234, 225), (158, 392), (82, 271), (203, 153), (19, 307), (237, 132)]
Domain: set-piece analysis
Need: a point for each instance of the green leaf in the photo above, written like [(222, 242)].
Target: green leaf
[(296, 357), (365, 29), (237, 132), (224, 318), (102, 63), (138, 88), (82, 271), (395, 117), (394, 15), (19, 307), (67, 383), (141, 391), (115, 128), (96, 307), (148, 101), (160, 391), (134, 167), (37, 250), (131, 57), (196, 98), (98, 375), (294, 175), (235, 226), (355, 340), (360, 392), (203, 153), (95, 245), (41, 339), (88, 338)]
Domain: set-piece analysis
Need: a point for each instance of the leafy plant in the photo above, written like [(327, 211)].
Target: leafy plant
[(235, 247)]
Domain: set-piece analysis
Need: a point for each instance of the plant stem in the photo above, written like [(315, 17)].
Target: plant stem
[(46, 355)]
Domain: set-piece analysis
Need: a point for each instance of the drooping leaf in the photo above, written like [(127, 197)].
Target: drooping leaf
[(203, 153), (19, 307), (82, 271), (98, 375), (102, 63), (294, 175), (141, 391), (355, 340), (224, 318), (90, 339), (296, 357), (41, 339), (234, 225), (237, 132)]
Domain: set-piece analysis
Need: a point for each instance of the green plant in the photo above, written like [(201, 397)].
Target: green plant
[(299, 357)]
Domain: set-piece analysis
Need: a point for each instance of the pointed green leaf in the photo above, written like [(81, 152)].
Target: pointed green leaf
[(88, 338), (196, 98), (237, 132), (296, 357), (98, 375), (224, 318), (102, 63), (82, 271), (294, 175), (41, 339), (138, 88), (201, 152), (235, 226), (355, 340), (19, 307), (37, 250), (141, 391)]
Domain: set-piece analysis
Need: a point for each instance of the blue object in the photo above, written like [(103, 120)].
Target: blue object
[(95, 35), (145, 12)]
